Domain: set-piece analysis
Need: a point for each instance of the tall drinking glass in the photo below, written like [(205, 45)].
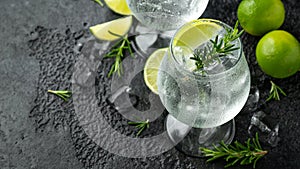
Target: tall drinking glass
[(166, 15), (202, 104)]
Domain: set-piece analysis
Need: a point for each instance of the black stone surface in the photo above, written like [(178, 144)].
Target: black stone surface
[(39, 131)]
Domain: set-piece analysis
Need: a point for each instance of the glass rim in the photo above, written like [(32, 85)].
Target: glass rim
[(224, 25)]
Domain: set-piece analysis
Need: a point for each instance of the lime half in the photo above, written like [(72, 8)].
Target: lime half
[(151, 68)]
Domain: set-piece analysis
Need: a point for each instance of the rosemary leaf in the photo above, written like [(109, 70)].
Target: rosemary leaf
[(244, 154), (63, 94), (141, 125), (99, 2), (117, 51), (274, 92)]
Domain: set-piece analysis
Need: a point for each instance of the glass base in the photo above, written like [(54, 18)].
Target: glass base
[(189, 140)]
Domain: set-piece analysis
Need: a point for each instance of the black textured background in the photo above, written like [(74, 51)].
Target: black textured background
[(39, 131)]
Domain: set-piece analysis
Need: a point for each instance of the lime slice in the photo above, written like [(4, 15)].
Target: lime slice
[(118, 6), (151, 68), (195, 33), (119, 27)]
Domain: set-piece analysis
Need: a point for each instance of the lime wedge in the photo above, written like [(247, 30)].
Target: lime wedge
[(151, 68), (117, 27), (118, 6)]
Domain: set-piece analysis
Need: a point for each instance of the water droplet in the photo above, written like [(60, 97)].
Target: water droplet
[(78, 47)]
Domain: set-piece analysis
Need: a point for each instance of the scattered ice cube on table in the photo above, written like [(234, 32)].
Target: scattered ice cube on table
[(168, 34), (145, 41), (267, 128), (145, 37), (142, 29)]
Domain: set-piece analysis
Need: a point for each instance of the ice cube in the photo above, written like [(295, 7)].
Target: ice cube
[(267, 128)]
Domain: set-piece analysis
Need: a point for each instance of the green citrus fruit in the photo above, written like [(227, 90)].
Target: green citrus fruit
[(151, 68), (118, 6), (278, 54), (258, 17), (196, 32), (106, 31)]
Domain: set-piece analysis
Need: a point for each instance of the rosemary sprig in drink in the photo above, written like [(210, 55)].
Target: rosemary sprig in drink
[(274, 92), (220, 47), (245, 154), (117, 52)]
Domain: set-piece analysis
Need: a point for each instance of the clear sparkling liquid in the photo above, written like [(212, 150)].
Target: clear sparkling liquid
[(166, 14), (203, 101)]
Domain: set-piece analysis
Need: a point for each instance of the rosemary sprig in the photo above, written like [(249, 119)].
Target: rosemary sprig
[(141, 125), (274, 92), (198, 58), (224, 46), (117, 52), (64, 94), (220, 47), (244, 154), (99, 2)]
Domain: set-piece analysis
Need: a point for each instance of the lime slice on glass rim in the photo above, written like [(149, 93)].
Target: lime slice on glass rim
[(106, 31), (190, 36), (196, 33)]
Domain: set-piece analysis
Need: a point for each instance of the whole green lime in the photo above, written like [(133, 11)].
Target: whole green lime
[(278, 54), (258, 17)]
